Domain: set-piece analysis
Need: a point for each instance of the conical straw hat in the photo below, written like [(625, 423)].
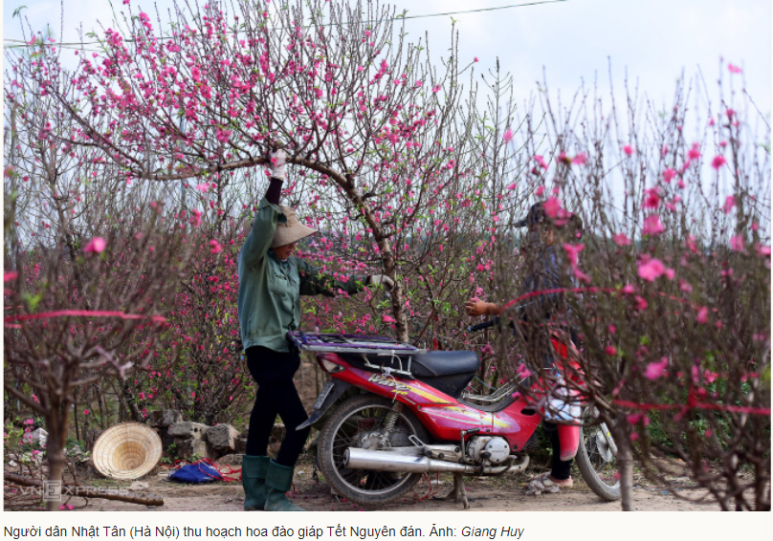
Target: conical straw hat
[(291, 231), (126, 451)]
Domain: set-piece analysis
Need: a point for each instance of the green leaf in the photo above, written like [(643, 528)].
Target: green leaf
[(32, 300)]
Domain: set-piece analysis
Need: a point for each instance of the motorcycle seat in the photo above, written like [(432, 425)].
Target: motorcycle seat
[(446, 363)]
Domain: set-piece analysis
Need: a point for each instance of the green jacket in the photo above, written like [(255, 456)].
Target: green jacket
[(269, 290)]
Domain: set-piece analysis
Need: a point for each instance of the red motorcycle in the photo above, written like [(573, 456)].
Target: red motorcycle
[(414, 416)]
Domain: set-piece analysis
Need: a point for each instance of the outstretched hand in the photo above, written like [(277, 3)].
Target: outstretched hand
[(475, 307)]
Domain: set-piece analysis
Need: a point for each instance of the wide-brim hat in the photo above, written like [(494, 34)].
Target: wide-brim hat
[(290, 231)]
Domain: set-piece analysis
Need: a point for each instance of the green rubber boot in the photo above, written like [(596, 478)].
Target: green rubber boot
[(254, 470), (279, 479)]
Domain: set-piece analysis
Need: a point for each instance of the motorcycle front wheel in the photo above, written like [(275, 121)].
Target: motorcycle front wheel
[(368, 422), (596, 458)]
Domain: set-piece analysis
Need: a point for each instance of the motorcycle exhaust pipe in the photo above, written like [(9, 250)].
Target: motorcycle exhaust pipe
[(364, 459)]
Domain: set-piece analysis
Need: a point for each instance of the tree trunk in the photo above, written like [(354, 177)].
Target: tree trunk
[(102, 408), (56, 422), (87, 418), (77, 427), (625, 469)]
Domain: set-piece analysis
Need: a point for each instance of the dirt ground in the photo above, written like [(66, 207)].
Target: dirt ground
[(507, 493)]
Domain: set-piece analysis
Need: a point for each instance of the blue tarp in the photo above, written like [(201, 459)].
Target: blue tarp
[(196, 473)]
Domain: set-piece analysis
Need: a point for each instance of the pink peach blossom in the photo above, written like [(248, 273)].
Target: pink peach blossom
[(523, 372), (655, 370), (95, 245), (651, 269), (572, 252), (652, 198), (621, 240), (552, 206), (580, 159), (729, 204), (652, 225)]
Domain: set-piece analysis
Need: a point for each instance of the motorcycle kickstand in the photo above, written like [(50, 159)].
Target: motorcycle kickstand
[(459, 492)]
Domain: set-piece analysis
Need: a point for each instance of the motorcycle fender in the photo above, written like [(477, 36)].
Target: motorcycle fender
[(339, 387)]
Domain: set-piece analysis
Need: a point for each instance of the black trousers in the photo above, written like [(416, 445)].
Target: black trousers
[(273, 371), (560, 469)]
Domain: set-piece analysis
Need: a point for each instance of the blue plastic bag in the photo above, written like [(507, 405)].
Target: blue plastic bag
[(199, 472)]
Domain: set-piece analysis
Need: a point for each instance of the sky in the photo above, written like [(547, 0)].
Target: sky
[(650, 41)]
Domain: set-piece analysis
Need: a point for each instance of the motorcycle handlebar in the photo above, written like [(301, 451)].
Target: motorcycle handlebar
[(484, 325)]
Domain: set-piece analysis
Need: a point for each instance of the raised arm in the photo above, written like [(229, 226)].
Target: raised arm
[(269, 214)]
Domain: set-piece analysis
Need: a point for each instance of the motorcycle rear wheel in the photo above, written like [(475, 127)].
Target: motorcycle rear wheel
[(596, 461), (360, 422)]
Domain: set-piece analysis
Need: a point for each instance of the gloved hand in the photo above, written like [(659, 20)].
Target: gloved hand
[(381, 280), (277, 164)]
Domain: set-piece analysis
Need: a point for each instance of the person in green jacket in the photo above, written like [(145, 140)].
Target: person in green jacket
[(271, 281)]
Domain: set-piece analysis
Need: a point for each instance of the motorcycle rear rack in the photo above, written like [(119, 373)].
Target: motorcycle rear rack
[(367, 347)]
